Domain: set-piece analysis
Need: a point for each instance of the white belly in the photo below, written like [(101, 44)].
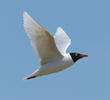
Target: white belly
[(56, 66)]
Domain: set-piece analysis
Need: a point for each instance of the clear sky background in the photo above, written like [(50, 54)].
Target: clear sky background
[(87, 22)]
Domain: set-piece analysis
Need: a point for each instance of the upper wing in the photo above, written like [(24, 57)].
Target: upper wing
[(42, 41), (62, 40)]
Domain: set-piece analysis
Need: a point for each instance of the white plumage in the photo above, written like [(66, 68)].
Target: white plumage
[(50, 50), (41, 40), (62, 40)]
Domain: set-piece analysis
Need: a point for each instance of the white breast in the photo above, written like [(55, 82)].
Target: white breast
[(56, 65)]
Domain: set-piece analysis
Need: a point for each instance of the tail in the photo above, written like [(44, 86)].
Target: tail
[(29, 77), (33, 75)]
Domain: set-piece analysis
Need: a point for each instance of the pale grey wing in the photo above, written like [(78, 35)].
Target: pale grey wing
[(42, 41), (62, 40)]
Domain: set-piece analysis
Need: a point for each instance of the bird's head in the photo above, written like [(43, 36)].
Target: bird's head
[(76, 56)]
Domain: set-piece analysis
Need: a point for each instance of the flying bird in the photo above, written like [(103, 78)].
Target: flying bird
[(51, 50)]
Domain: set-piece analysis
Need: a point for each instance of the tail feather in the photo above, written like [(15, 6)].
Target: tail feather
[(30, 77), (33, 75)]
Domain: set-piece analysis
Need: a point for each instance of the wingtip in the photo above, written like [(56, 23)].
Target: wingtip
[(27, 17), (25, 13), (59, 27)]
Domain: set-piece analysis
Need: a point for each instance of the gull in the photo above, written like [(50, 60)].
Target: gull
[(51, 50)]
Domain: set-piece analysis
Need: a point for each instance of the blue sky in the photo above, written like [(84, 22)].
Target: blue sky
[(87, 22)]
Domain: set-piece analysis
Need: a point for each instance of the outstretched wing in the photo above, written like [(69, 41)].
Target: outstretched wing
[(62, 40), (42, 41)]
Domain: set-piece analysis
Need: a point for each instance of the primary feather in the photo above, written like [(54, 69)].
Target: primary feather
[(42, 41)]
